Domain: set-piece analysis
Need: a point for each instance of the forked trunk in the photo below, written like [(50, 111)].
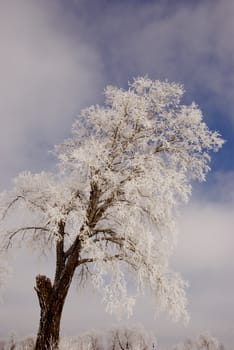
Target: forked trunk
[(52, 297)]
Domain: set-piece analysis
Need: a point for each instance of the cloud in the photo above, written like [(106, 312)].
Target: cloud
[(47, 73), (190, 42), (56, 59), (204, 257), (207, 237)]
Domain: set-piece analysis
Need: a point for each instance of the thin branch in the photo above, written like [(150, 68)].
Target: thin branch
[(23, 229), (10, 205), (16, 199), (97, 231), (117, 240), (105, 259)]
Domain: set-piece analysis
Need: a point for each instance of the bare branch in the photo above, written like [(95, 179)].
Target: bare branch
[(105, 231), (22, 230), (15, 200), (118, 240), (10, 206)]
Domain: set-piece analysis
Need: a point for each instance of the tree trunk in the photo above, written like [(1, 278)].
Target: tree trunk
[(48, 333), (51, 301), (52, 297)]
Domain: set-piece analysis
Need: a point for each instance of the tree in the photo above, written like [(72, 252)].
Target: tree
[(130, 339), (110, 208), (203, 342), (88, 341)]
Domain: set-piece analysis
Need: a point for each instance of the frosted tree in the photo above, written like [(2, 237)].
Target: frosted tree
[(87, 341), (135, 338), (203, 342), (130, 339), (109, 211)]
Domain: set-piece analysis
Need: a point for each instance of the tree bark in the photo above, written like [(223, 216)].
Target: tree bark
[(51, 305), (48, 333), (51, 299)]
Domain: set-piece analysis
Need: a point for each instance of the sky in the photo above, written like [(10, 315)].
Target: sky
[(56, 57)]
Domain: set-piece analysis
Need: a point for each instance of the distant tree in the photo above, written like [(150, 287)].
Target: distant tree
[(130, 339), (14, 344), (87, 341), (134, 338), (203, 342), (110, 208)]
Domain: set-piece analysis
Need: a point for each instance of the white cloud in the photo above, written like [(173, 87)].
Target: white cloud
[(206, 240)]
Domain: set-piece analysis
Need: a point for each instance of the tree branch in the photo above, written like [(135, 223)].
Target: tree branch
[(60, 255), (23, 229), (101, 210), (10, 205), (93, 202), (105, 259)]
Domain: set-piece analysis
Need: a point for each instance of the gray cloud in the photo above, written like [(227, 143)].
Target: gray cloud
[(47, 74), (189, 42)]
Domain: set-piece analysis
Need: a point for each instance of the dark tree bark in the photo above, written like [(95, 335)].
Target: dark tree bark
[(51, 300), (52, 297), (51, 310)]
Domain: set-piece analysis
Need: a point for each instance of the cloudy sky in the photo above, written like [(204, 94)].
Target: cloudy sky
[(56, 57)]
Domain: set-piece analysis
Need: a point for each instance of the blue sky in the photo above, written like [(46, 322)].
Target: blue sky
[(56, 57)]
